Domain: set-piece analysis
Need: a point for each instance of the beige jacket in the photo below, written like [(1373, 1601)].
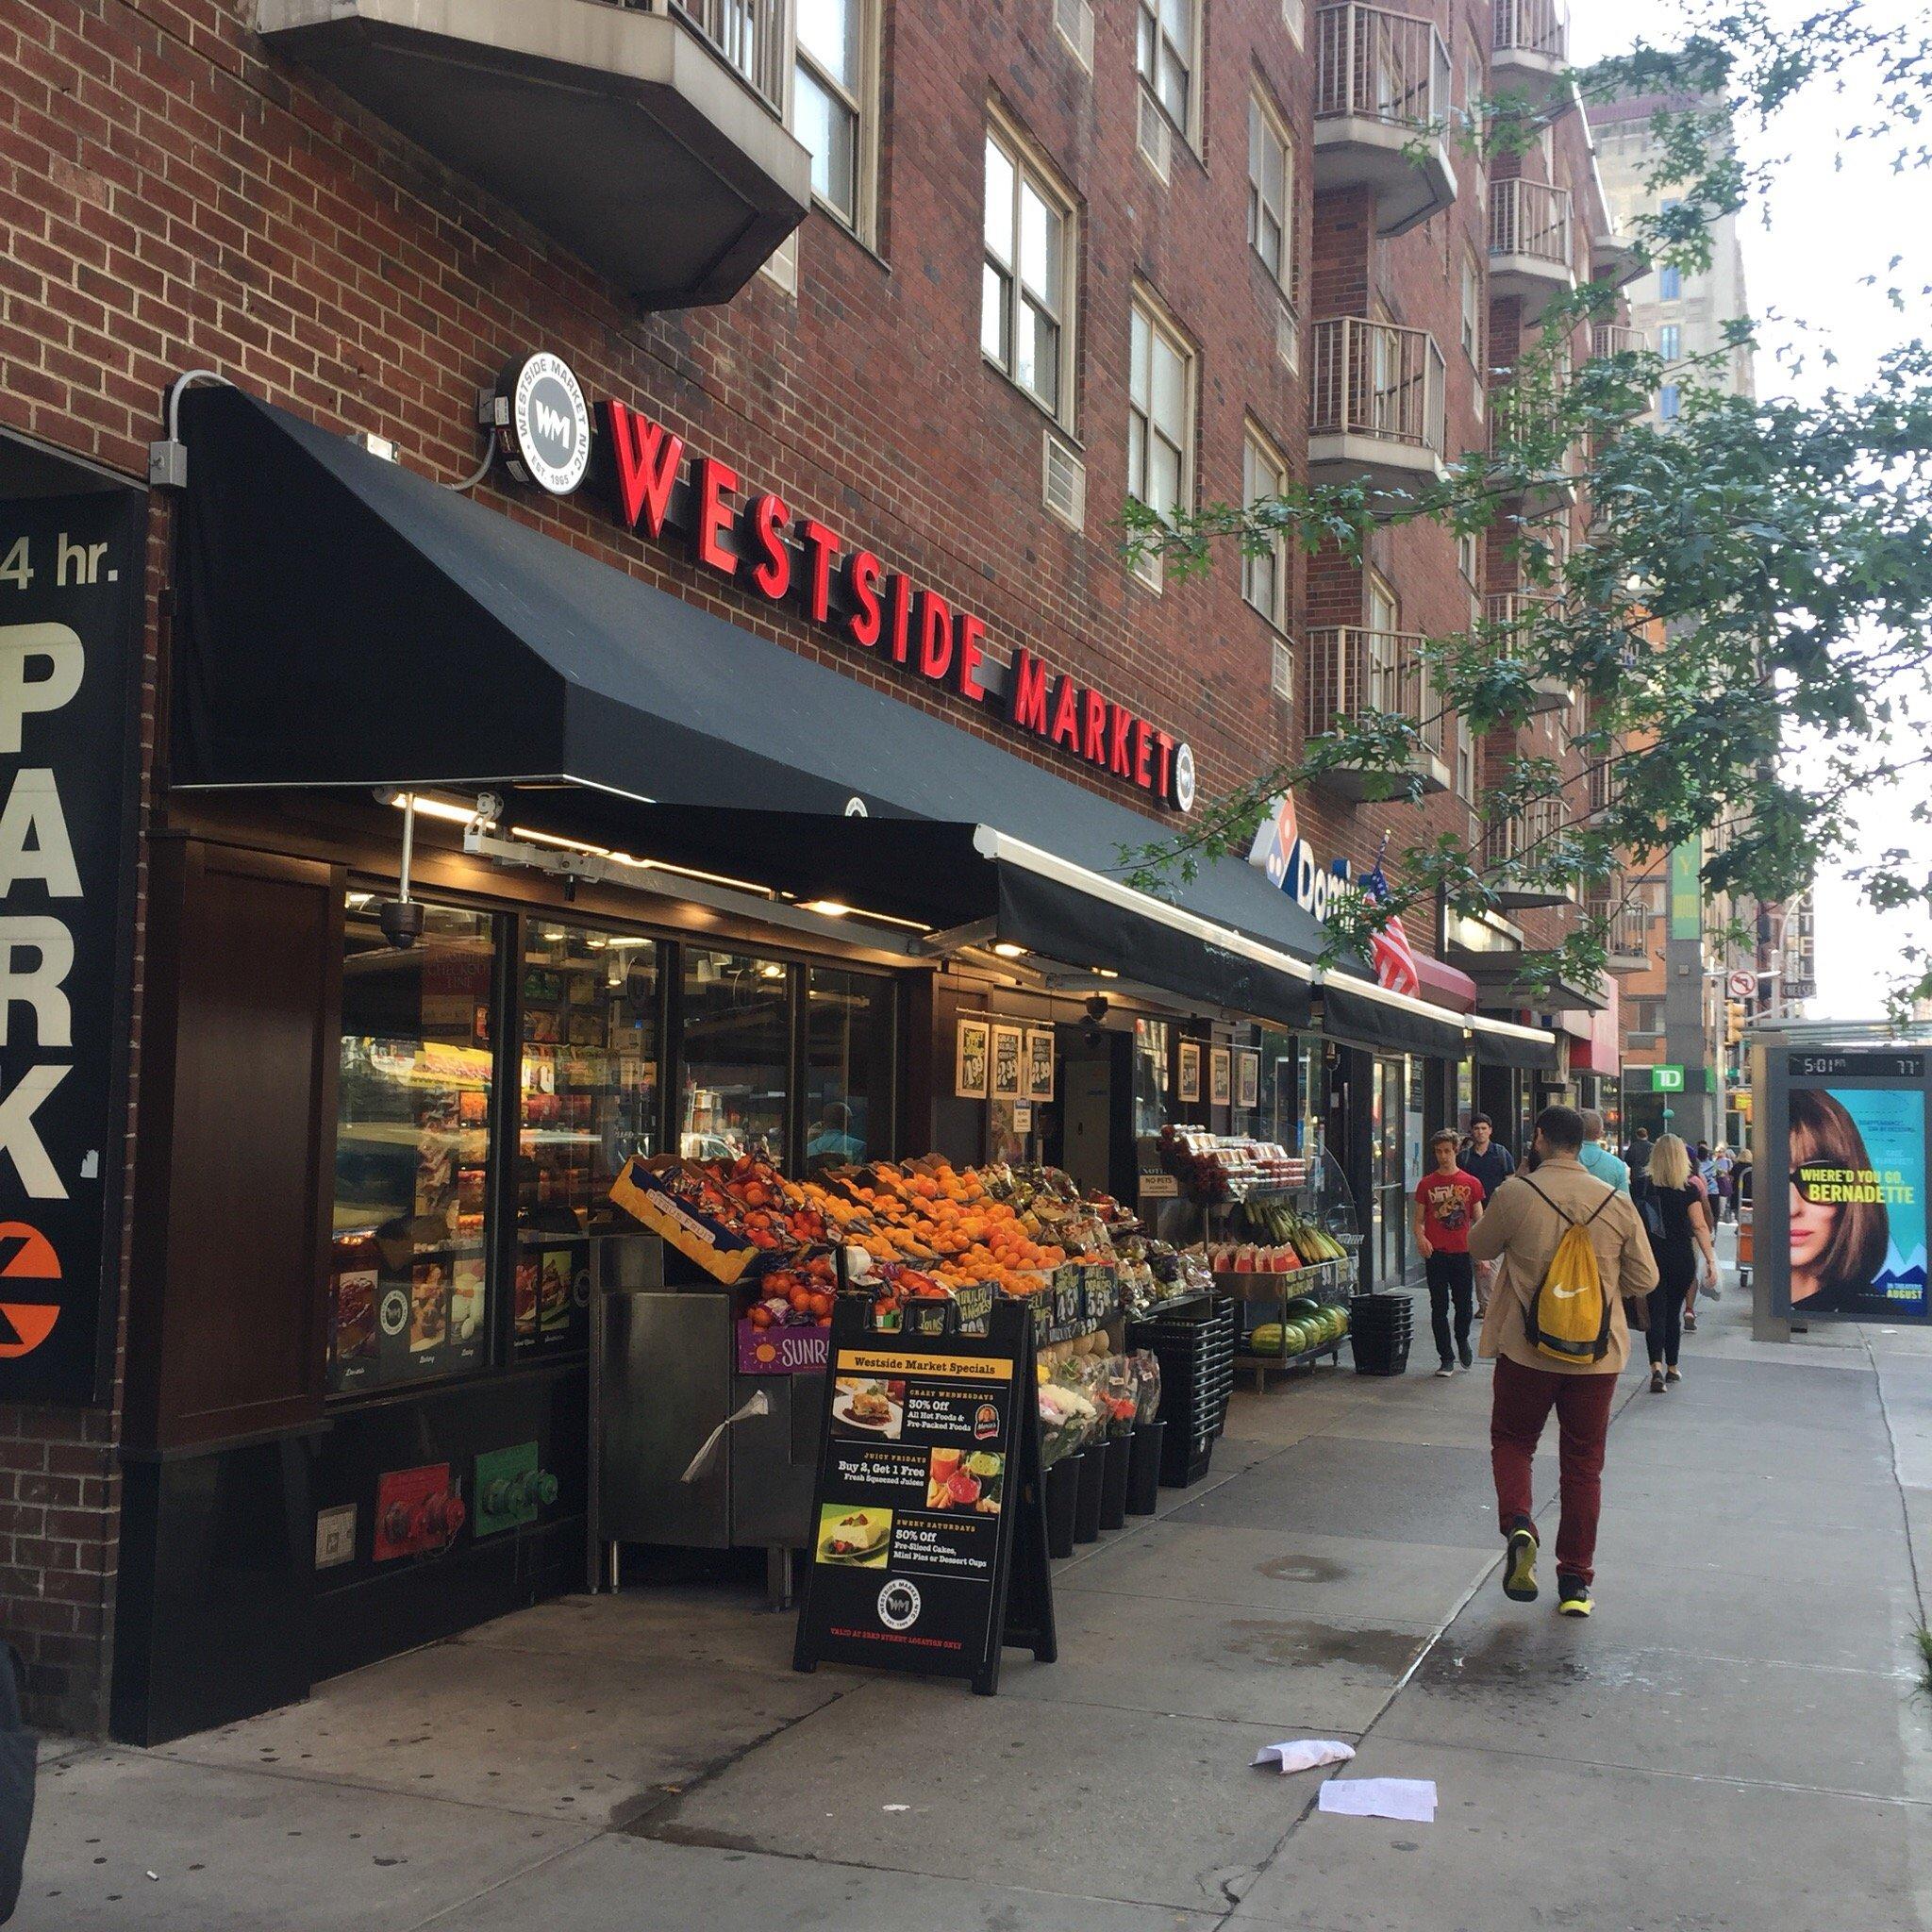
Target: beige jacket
[(1522, 1232)]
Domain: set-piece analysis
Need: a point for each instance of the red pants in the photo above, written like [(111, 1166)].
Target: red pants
[(1524, 1398)]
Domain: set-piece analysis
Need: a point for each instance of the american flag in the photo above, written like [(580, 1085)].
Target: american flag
[(1393, 957)]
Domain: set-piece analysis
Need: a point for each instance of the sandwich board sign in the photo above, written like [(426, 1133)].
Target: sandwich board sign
[(928, 1539)]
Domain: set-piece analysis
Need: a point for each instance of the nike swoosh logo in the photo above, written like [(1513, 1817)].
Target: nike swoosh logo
[(1568, 1295)]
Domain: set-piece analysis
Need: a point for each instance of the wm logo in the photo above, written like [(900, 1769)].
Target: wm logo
[(552, 425)]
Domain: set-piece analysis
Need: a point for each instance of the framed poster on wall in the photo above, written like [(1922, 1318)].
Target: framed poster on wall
[(1188, 1072), (1247, 1078), (1039, 1056), (1009, 1064), (1220, 1076), (971, 1047)]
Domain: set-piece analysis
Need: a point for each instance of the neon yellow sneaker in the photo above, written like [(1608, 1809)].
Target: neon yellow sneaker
[(1573, 1597), (1518, 1568)]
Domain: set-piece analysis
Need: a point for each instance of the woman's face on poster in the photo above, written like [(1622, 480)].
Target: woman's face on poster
[(1812, 1221)]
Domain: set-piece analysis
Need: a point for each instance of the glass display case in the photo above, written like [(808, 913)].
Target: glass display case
[(408, 1282)]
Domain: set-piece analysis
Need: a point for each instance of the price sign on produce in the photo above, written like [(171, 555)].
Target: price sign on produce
[(928, 1538)]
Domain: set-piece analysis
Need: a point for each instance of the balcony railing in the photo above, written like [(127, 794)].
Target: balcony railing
[(1605, 784), (1627, 925), (1371, 378), (1532, 27), (1613, 338), (1527, 838), (1352, 670), (1380, 65), (755, 36), (1531, 217)]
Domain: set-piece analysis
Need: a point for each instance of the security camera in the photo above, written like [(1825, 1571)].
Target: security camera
[(1096, 1008), (401, 921)]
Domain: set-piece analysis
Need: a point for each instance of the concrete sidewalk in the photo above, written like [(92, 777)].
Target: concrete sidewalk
[(1733, 1741)]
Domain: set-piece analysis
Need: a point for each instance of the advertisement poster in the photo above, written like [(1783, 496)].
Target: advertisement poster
[(1220, 1076), (1040, 1064), (918, 1514), (71, 570), (1188, 1076), (1858, 1202), (1008, 1071), (969, 1062)]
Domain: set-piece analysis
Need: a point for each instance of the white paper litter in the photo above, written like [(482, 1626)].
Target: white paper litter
[(1412, 1799), (1304, 1754)]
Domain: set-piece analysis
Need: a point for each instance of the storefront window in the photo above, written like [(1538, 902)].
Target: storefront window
[(1151, 1046), (848, 1066), (1286, 1109), (408, 1281), (589, 1099), (737, 1037)]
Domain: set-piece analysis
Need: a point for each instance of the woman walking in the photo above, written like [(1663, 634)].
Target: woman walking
[(1679, 1225)]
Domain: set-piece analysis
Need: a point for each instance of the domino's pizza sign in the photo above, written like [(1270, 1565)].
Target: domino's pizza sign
[(543, 422)]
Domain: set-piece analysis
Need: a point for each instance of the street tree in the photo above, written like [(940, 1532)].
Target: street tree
[(1748, 621)]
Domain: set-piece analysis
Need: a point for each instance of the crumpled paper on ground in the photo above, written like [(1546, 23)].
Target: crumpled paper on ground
[(1411, 1799), (1304, 1754)]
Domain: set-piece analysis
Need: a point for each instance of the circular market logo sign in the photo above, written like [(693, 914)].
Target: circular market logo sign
[(1184, 778), (899, 1605), (394, 1312), (543, 422)]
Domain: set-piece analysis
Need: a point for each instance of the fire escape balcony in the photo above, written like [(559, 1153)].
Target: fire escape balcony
[(1529, 243), (647, 137), (1376, 405), (1612, 338), (1352, 671), (1529, 48), (1513, 610), (1382, 112), (1519, 852), (1628, 935)]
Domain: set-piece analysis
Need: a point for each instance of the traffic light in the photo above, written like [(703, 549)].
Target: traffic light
[(1733, 1022)]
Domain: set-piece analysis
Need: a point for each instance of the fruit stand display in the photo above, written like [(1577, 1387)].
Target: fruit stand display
[(929, 1244), (1280, 1237)]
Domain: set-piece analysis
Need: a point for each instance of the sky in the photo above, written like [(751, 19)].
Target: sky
[(1824, 228)]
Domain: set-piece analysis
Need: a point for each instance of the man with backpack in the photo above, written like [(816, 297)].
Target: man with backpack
[(1573, 1249)]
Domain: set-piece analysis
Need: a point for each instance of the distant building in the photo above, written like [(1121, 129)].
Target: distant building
[(1681, 313)]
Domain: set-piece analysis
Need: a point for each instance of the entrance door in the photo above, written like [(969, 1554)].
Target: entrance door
[(1086, 1106), (1388, 1179)]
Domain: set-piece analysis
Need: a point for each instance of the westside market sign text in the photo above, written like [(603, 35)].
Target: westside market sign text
[(660, 486)]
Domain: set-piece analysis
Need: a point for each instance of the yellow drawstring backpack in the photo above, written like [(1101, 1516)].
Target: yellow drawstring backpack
[(1568, 1314)]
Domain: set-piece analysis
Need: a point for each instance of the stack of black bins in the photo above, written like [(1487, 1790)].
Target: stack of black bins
[(1378, 1330), (1195, 1343)]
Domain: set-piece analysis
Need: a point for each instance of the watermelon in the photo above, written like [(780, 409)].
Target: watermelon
[(1265, 1338), (1300, 1309)]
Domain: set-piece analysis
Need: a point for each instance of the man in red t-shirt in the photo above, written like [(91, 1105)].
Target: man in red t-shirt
[(1448, 1204)]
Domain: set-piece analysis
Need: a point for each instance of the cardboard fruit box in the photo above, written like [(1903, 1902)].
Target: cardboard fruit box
[(719, 1249)]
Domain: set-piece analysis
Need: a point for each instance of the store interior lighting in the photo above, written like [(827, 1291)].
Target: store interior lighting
[(1007, 950)]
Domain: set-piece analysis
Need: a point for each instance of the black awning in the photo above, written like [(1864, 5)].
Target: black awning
[(346, 623), (1359, 1019), (1496, 1049)]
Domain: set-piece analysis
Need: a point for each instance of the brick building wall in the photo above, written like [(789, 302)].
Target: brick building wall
[(174, 197)]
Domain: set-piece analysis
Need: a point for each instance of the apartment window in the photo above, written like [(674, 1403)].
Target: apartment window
[(1472, 310), (1026, 289), (1646, 1018), (1271, 191), (1264, 577), (1380, 607), (1668, 402), (1670, 341), (1294, 18), (1466, 557), (1159, 413), (829, 90), (1670, 283), (1169, 34)]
